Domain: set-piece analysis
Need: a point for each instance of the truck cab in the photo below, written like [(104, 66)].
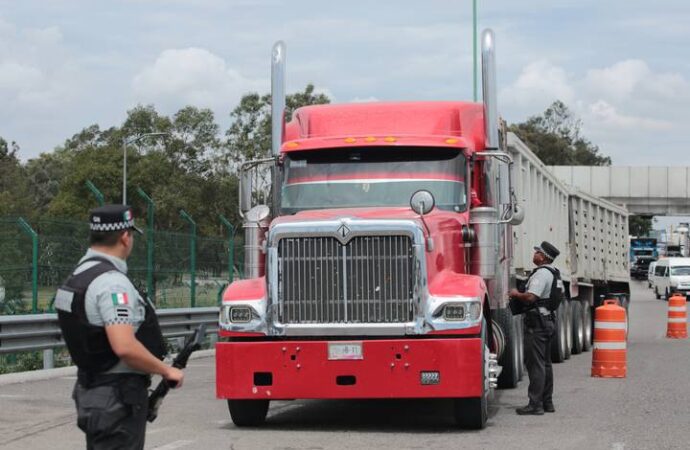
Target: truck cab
[(380, 267)]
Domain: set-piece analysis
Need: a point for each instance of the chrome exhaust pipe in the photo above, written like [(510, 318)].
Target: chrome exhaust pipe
[(277, 97), (494, 370), (256, 222), (489, 89)]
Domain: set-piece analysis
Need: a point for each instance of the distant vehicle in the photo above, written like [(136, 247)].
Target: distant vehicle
[(650, 275), (671, 275), (640, 268), (644, 247)]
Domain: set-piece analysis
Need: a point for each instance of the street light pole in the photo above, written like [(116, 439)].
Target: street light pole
[(125, 143)]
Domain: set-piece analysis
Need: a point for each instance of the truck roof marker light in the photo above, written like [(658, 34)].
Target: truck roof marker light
[(292, 144), (451, 141), (349, 140), (389, 139), (370, 139)]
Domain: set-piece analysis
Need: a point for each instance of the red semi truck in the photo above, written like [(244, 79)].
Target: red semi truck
[(381, 267)]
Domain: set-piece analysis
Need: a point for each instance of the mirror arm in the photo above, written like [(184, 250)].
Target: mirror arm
[(507, 159), (247, 165)]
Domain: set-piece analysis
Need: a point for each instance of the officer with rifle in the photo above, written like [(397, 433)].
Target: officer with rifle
[(113, 336), (542, 296)]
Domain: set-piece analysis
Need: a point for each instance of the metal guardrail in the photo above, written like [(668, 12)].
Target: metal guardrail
[(35, 332)]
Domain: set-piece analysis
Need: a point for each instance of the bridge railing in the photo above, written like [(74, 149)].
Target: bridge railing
[(36, 332)]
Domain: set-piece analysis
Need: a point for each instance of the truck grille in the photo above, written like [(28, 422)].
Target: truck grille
[(368, 280)]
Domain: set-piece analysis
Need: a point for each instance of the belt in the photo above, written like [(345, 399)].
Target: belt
[(91, 379)]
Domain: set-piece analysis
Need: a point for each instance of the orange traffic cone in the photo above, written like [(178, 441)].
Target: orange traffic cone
[(609, 355), (677, 317)]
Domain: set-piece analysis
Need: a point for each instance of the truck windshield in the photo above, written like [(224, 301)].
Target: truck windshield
[(370, 177), (680, 270)]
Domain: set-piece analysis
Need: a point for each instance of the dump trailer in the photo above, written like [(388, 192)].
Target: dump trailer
[(381, 265), (591, 234)]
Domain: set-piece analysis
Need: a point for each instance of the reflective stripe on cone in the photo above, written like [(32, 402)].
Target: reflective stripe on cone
[(677, 327), (609, 356)]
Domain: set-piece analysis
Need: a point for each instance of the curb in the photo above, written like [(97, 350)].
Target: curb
[(71, 371)]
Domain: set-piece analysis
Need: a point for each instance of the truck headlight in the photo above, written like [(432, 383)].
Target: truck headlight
[(236, 314), (454, 311), (240, 314)]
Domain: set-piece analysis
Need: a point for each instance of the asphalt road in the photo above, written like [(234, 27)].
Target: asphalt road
[(647, 410)]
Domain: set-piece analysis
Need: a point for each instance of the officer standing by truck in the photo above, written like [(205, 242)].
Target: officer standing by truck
[(542, 286), (113, 336)]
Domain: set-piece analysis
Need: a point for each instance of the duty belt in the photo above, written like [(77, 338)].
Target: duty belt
[(91, 379)]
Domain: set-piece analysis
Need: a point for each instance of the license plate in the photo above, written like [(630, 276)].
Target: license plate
[(345, 350)]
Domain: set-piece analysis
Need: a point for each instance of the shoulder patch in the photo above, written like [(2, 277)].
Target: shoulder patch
[(119, 298)]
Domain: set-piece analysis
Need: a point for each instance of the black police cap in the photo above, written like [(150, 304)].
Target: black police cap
[(112, 218), (549, 250)]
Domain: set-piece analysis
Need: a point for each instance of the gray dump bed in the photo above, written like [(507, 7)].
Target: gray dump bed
[(591, 233)]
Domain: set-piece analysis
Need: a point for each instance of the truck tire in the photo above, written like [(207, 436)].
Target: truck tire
[(248, 413), (568, 329), (510, 359), (558, 343), (578, 327), (588, 325), (472, 413)]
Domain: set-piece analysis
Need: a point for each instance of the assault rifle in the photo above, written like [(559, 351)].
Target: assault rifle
[(180, 362)]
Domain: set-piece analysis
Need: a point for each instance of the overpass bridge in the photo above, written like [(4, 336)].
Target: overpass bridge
[(645, 191)]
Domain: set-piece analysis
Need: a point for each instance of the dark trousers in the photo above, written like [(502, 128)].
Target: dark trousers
[(112, 412), (538, 336)]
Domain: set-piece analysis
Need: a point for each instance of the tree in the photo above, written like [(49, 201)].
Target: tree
[(639, 225), (249, 136), (555, 137), (14, 192)]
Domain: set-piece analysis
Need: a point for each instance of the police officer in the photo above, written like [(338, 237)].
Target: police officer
[(539, 330), (113, 336)]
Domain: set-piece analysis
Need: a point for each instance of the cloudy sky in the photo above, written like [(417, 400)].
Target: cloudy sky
[(622, 66)]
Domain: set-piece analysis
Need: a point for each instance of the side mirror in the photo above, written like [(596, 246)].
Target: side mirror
[(422, 202), (246, 191), (518, 215)]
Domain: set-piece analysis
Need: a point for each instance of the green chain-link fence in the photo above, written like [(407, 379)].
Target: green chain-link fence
[(35, 258)]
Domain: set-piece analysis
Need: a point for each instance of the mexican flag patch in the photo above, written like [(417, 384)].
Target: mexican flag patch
[(120, 299)]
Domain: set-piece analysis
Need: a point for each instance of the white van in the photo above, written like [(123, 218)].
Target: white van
[(650, 274), (671, 275)]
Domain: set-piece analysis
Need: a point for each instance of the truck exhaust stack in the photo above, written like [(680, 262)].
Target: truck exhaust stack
[(277, 97), (489, 89)]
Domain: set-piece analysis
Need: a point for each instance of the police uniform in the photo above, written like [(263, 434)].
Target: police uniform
[(111, 398), (540, 328)]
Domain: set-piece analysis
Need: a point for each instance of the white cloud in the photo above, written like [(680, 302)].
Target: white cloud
[(607, 115), (539, 84), (193, 76)]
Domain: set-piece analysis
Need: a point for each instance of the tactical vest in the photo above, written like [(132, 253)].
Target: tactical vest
[(556, 295), (88, 344)]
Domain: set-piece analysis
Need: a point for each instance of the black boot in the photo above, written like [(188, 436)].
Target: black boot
[(548, 407), (530, 410)]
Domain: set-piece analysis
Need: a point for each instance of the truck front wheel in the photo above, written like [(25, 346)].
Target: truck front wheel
[(248, 413), (510, 360)]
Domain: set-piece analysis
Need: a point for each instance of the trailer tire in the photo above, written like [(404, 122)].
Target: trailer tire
[(510, 359), (587, 322), (578, 327), (558, 343), (472, 413), (248, 413)]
